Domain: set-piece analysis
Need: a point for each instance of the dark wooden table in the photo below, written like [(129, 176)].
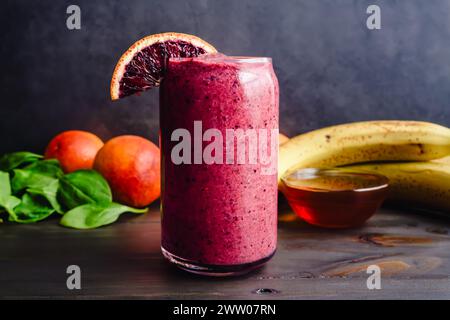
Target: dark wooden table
[(124, 261)]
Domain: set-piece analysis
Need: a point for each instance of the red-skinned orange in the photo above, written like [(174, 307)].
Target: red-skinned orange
[(131, 165), (74, 149)]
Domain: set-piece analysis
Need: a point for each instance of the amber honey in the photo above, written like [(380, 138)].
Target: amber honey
[(334, 198)]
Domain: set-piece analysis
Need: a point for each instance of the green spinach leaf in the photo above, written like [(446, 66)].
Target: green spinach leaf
[(91, 216), (49, 168), (7, 201), (11, 161), (5, 186), (49, 192), (24, 179), (84, 187), (39, 178), (33, 208)]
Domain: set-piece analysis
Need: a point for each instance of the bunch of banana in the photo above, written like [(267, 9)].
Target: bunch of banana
[(424, 181)]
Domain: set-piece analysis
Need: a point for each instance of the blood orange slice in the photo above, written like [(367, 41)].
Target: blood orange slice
[(141, 67)]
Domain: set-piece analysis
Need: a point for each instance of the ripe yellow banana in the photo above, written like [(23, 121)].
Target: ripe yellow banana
[(363, 142), (443, 160), (282, 138), (421, 183)]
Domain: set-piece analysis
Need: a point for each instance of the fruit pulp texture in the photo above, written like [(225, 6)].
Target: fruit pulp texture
[(218, 214), (145, 70), (335, 201)]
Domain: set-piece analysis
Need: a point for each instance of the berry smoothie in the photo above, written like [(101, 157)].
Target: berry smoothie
[(219, 205)]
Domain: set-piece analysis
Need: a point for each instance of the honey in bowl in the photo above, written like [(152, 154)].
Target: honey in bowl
[(334, 198)]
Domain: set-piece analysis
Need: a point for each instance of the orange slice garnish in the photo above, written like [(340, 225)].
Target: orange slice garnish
[(141, 67)]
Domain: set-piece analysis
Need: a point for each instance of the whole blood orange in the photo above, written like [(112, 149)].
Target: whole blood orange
[(141, 67), (74, 149), (131, 165)]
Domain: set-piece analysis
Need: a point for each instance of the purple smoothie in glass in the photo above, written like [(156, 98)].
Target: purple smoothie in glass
[(219, 218)]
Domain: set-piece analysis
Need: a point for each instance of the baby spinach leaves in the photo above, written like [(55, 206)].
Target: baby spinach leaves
[(88, 197), (28, 179), (49, 168), (30, 195), (83, 187), (32, 189), (13, 160), (50, 193), (32, 208), (7, 201), (90, 216), (39, 178)]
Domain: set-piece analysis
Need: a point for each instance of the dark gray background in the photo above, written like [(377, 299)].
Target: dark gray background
[(331, 69)]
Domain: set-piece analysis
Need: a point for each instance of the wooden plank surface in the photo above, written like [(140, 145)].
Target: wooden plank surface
[(124, 261)]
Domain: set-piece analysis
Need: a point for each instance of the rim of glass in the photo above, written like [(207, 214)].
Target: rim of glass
[(383, 182), (223, 58)]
